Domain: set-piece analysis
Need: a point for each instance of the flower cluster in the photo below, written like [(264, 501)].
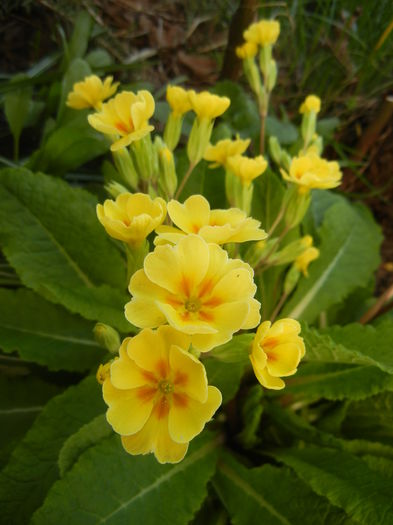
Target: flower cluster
[(191, 269)]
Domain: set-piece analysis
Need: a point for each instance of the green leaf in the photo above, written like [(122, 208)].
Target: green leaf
[(351, 344), (86, 437), (371, 419), (141, 490), (336, 382), (46, 333), (267, 199), (69, 147), (80, 37), (33, 468), (345, 480), (225, 376), (270, 495), (251, 415), (51, 236), (99, 58), (235, 351), (285, 132), (21, 401), (348, 235)]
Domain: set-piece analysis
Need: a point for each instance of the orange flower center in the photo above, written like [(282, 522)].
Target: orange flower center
[(165, 386), (123, 128), (193, 304)]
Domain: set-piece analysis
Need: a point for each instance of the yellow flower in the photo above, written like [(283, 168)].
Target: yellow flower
[(131, 217), (302, 261), (247, 50), (263, 32), (103, 373), (219, 153), (312, 103), (219, 226), (197, 289), (245, 168), (207, 105), (178, 100), (276, 352), (91, 92), (158, 395), (311, 171), (125, 117)]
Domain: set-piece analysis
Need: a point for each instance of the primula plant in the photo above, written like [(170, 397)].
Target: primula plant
[(207, 309)]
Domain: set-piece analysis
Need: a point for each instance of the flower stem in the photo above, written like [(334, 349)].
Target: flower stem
[(185, 179), (278, 307)]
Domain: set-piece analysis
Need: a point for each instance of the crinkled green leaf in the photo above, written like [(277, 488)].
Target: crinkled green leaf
[(51, 236), (46, 333), (345, 480), (33, 467), (336, 382), (22, 398), (109, 486), (86, 437), (235, 351), (348, 235), (271, 495)]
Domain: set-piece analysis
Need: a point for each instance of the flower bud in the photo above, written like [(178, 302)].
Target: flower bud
[(107, 337)]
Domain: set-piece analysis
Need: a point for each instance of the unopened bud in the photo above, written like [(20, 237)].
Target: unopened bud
[(107, 337)]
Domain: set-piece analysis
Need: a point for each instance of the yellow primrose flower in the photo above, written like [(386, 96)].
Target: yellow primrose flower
[(219, 153), (312, 103), (219, 226), (245, 168), (178, 100), (303, 260), (131, 217), (91, 92), (125, 117), (103, 373), (276, 352), (247, 50), (311, 171), (158, 395), (263, 32), (207, 105), (197, 289)]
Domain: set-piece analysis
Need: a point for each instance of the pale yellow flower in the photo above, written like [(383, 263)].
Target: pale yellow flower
[(131, 217), (263, 32), (312, 103), (207, 105), (219, 226), (303, 260), (276, 352), (158, 395), (311, 171), (245, 168), (219, 153), (197, 289), (125, 117), (91, 92), (247, 50), (178, 100)]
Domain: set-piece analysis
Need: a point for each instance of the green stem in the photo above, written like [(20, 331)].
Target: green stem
[(185, 179)]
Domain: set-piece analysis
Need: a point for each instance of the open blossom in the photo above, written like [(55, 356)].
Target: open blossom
[(276, 352), (245, 168), (91, 92), (125, 117), (220, 152), (178, 100), (132, 216), (207, 105), (219, 226), (311, 171), (157, 394), (312, 103), (262, 33), (197, 289)]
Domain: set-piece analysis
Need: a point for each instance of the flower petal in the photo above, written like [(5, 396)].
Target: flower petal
[(188, 417), (125, 374), (143, 313), (265, 378), (191, 215), (189, 374), (128, 409), (283, 359)]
